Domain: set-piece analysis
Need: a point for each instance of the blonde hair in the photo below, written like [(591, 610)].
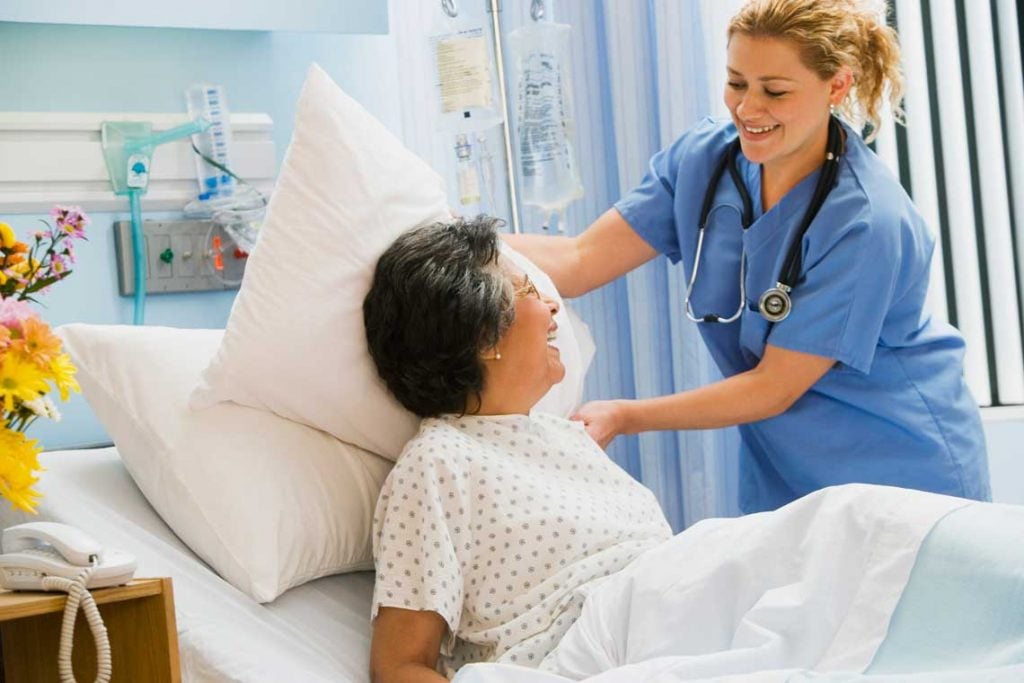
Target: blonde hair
[(830, 34)]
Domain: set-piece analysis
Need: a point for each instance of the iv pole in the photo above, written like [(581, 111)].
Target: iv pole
[(494, 8)]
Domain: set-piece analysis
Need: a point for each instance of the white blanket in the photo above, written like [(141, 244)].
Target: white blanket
[(809, 587)]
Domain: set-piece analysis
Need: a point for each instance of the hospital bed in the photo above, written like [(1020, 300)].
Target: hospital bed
[(319, 631)]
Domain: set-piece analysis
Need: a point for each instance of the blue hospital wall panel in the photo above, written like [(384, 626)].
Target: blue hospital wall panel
[(66, 68)]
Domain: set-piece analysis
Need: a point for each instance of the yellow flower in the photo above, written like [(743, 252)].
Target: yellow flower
[(38, 342), (62, 371), (18, 465), (25, 266), (20, 379), (7, 237)]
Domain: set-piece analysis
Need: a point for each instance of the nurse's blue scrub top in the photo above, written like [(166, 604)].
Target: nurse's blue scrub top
[(895, 408)]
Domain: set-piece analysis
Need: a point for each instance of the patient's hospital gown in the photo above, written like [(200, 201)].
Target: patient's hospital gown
[(501, 524)]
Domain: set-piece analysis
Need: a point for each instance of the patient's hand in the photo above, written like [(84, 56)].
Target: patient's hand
[(405, 646), (603, 420)]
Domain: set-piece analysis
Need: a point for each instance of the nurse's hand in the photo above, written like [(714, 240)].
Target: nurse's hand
[(603, 420)]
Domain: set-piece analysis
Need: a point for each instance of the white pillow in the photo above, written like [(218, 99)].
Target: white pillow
[(266, 502), (295, 342)]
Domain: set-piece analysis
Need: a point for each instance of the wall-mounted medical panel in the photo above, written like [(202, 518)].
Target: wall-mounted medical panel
[(321, 16), (181, 256), (49, 158)]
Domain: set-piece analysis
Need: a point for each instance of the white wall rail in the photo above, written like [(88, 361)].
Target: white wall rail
[(48, 158)]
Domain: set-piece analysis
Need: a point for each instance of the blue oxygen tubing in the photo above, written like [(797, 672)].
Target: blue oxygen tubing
[(139, 253), (128, 151)]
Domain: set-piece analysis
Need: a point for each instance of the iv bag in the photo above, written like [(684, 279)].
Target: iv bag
[(465, 78), (549, 177)]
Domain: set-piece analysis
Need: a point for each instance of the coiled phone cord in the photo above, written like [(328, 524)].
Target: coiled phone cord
[(78, 595)]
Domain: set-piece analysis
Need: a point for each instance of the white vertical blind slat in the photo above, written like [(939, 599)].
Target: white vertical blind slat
[(995, 208), (959, 202), (923, 183), (885, 143), (1013, 110)]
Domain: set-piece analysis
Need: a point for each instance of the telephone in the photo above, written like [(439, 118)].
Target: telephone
[(36, 550)]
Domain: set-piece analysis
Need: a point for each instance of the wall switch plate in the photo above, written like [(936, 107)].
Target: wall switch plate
[(187, 263)]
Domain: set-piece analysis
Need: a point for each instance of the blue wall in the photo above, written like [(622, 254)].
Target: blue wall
[(46, 67), (331, 16)]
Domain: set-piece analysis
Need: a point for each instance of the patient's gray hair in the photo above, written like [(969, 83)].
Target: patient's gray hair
[(438, 298)]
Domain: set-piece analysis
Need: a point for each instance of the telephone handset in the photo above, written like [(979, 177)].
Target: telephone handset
[(36, 550)]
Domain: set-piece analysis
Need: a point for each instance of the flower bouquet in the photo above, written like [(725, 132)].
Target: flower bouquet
[(32, 361)]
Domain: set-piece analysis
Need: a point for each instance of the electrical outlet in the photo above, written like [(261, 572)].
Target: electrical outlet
[(180, 257)]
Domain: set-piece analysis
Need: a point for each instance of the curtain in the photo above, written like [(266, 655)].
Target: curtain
[(644, 71), (641, 78)]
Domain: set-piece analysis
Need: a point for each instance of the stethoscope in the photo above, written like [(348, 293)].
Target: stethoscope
[(775, 304)]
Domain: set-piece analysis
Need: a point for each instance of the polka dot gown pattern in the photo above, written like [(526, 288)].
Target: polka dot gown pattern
[(501, 524)]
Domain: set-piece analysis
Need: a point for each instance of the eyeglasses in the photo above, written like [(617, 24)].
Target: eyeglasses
[(527, 289)]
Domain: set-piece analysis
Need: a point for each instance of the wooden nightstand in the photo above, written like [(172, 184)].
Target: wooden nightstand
[(140, 624)]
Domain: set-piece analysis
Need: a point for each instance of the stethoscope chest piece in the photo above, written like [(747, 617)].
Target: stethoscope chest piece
[(775, 303)]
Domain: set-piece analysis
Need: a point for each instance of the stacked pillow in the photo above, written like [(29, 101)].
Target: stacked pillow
[(267, 502), (295, 343), (289, 407)]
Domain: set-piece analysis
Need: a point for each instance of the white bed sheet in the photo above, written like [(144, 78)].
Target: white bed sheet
[(316, 632)]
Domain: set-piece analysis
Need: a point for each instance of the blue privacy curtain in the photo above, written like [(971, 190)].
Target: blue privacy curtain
[(641, 74), (641, 77)]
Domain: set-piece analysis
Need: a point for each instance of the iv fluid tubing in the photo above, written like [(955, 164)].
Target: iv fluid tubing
[(139, 253)]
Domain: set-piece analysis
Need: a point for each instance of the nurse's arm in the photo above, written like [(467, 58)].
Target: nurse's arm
[(604, 251), (769, 389)]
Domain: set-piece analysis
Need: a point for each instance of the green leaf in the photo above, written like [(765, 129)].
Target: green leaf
[(40, 284)]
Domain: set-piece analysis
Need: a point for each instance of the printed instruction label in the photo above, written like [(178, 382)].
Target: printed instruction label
[(463, 72)]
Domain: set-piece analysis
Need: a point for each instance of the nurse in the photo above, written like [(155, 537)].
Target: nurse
[(810, 295)]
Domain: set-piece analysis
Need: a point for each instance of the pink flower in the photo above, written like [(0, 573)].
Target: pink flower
[(59, 264), (13, 312), (70, 219)]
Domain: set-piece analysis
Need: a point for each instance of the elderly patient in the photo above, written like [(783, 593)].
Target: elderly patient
[(494, 522)]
